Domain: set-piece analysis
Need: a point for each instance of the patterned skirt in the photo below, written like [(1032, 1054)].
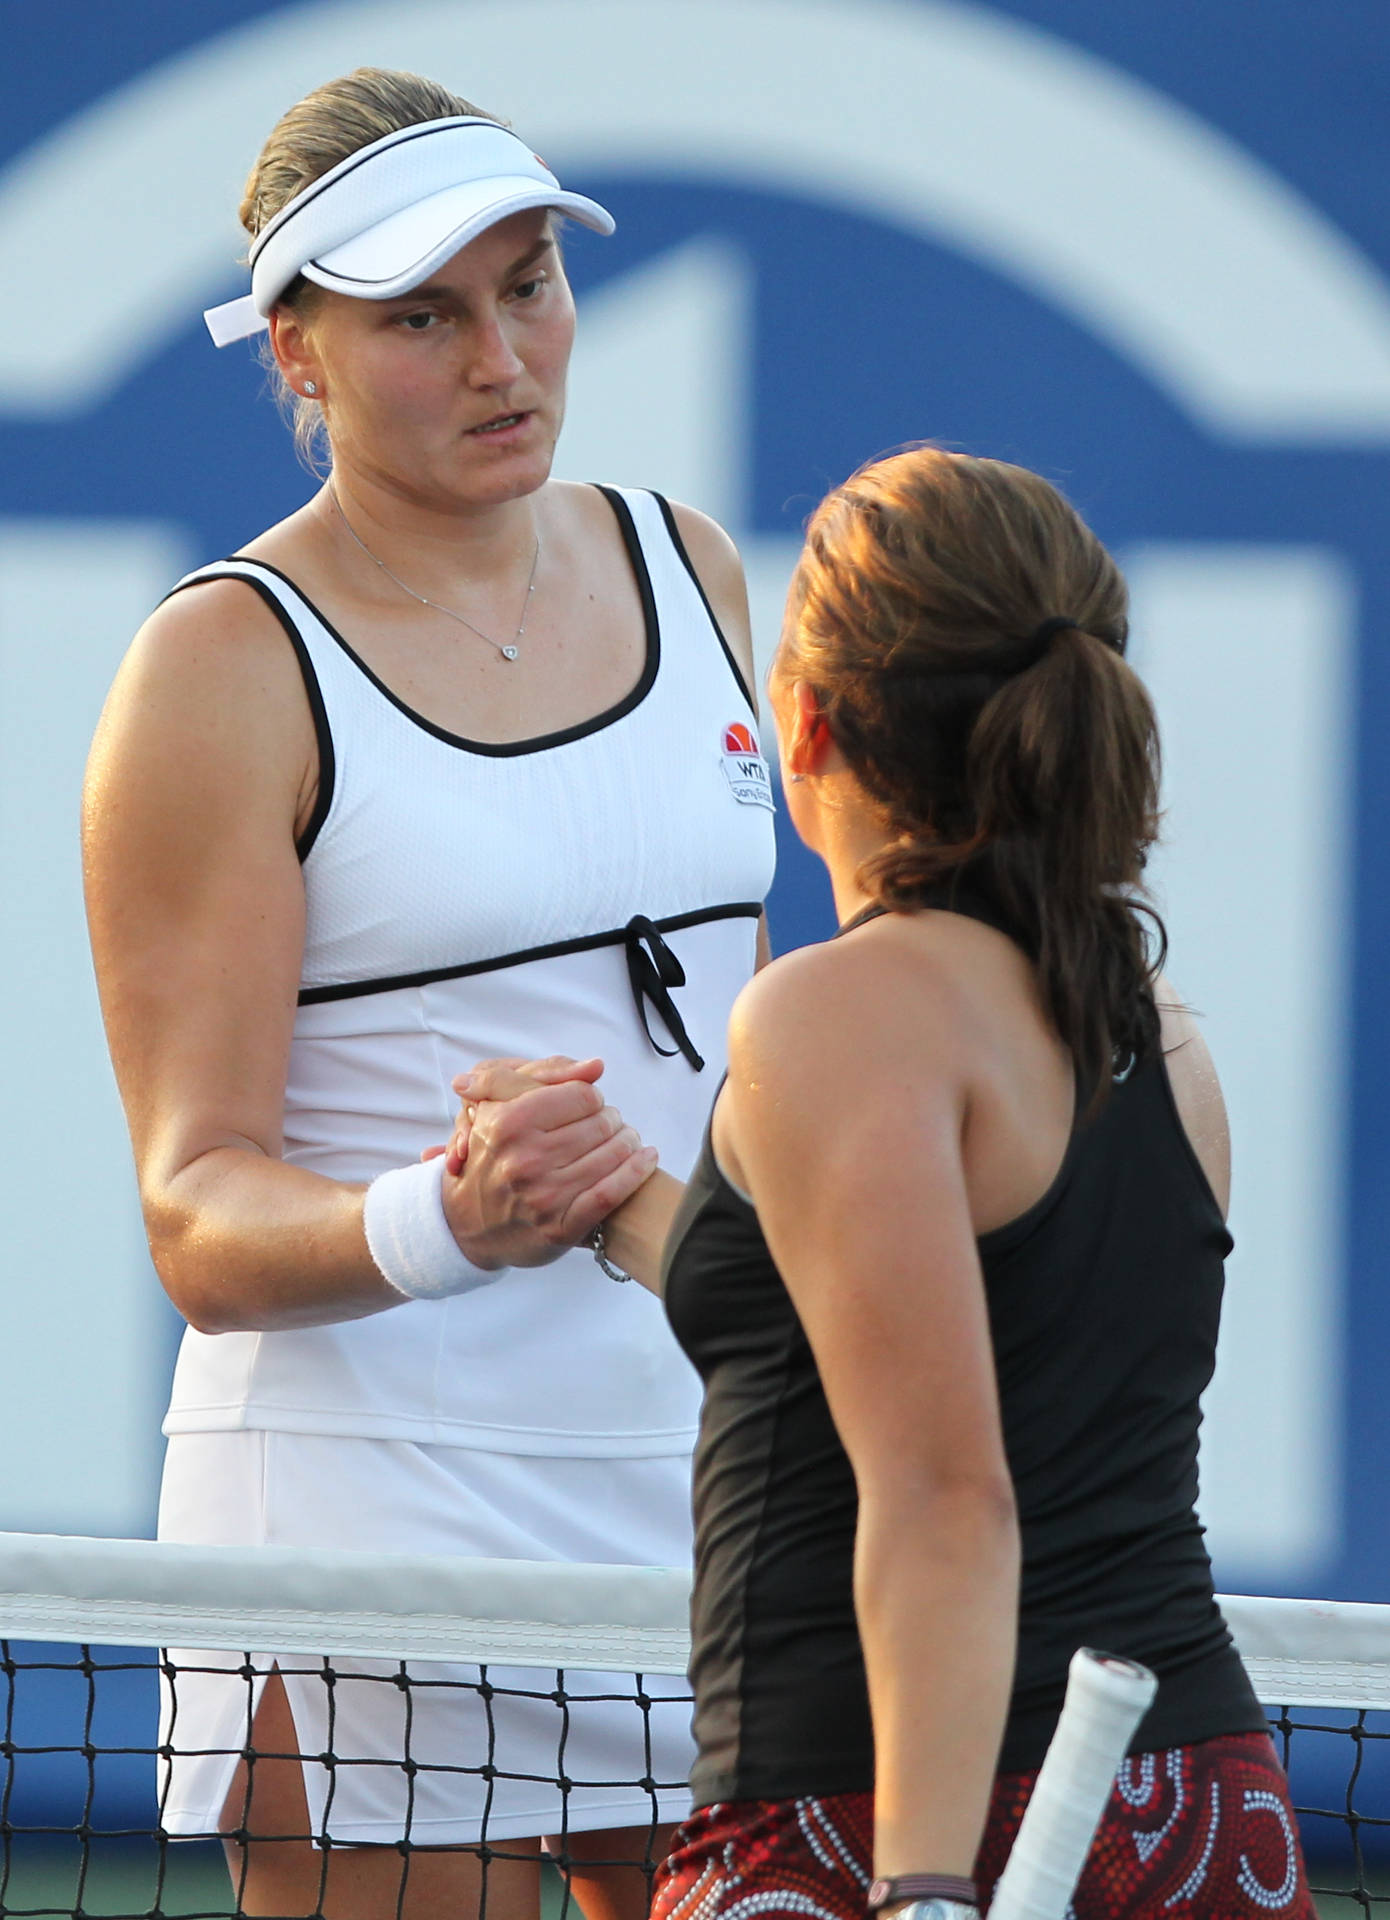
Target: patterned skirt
[(1204, 1832)]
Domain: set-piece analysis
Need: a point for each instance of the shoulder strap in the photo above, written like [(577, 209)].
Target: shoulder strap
[(282, 597), (661, 525), (235, 566)]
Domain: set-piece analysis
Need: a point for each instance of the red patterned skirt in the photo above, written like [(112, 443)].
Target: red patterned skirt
[(1193, 1833)]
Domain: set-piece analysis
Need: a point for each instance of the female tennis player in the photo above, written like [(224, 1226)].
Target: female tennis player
[(951, 1263), (434, 768)]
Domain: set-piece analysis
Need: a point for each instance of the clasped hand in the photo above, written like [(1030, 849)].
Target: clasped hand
[(536, 1160)]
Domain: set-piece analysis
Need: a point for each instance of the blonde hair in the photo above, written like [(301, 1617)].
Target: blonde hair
[(314, 136)]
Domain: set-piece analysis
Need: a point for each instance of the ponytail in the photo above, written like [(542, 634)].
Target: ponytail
[(1023, 772)]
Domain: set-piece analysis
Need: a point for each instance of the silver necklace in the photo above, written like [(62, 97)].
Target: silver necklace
[(509, 652)]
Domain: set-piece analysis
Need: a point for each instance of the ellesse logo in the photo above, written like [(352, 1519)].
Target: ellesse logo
[(744, 767)]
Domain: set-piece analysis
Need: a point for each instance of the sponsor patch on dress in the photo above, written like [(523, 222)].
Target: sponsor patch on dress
[(744, 767)]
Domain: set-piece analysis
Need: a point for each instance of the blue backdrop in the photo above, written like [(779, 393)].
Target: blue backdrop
[(861, 333)]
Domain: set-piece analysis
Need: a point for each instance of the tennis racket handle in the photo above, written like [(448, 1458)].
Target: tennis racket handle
[(1106, 1699)]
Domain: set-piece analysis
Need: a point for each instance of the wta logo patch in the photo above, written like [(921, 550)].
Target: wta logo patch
[(744, 767)]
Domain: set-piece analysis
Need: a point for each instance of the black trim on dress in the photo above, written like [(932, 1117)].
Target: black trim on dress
[(676, 541), (507, 749), (323, 733), (652, 969)]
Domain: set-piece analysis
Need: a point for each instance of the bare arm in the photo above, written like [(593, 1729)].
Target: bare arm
[(202, 771), (864, 1204), (636, 1233)]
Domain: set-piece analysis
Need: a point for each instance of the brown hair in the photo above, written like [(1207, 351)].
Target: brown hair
[(1018, 766), (309, 140)]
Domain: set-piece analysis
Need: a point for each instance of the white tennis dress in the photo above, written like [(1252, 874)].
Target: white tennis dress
[(594, 891)]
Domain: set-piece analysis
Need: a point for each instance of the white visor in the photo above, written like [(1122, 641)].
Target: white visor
[(382, 220)]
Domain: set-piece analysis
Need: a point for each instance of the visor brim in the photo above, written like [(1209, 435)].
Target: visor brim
[(399, 253)]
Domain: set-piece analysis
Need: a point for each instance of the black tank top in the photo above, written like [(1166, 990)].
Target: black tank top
[(1103, 1301)]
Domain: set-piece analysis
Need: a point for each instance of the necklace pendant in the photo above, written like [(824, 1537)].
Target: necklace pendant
[(510, 653)]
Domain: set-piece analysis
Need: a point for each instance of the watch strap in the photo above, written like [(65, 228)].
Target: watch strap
[(888, 1889)]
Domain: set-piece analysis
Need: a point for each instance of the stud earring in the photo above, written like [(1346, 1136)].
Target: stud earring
[(311, 386), (795, 779)]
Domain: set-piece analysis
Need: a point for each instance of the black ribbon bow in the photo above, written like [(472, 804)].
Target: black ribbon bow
[(653, 970)]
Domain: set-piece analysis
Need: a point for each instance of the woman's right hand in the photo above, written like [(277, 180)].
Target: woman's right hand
[(536, 1161)]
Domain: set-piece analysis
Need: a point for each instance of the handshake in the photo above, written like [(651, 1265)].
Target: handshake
[(537, 1161)]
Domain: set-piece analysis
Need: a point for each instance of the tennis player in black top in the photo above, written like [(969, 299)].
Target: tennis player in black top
[(951, 1264)]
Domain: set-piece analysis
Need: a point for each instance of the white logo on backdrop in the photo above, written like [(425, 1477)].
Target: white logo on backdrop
[(1239, 301), (1102, 196)]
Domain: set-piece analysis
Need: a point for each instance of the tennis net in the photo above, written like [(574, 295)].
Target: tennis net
[(436, 1702), (508, 1697)]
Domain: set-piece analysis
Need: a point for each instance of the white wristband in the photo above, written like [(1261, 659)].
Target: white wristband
[(409, 1236)]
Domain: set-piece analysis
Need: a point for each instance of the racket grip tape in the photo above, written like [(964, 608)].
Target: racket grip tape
[(1106, 1699)]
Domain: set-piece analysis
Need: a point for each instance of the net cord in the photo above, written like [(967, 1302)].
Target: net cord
[(56, 1587), (519, 1612)]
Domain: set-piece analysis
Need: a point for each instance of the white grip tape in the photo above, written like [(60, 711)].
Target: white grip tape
[(410, 1239), (1106, 1699)]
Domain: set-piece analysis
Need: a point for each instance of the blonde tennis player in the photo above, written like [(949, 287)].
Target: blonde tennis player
[(439, 766)]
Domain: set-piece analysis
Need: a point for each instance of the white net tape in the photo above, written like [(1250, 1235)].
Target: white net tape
[(1304, 1653), (120, 1593), (1313, 1653)]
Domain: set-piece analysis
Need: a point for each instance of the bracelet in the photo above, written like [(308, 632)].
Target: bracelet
[(888, 1889), (598, 1246), (410, 1239)]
